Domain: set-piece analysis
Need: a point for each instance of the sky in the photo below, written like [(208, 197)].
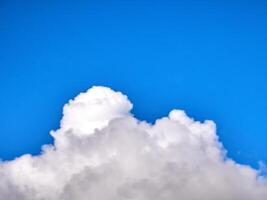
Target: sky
[(208, 58)]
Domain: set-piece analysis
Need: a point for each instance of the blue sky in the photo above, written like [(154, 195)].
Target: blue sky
[(206, 57)]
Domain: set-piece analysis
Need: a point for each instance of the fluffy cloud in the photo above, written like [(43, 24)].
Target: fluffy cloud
[(101, 152)]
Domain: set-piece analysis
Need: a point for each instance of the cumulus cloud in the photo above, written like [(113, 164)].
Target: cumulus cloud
[(102, 152)]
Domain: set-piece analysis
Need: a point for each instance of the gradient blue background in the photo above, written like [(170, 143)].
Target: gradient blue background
[(206, 57)]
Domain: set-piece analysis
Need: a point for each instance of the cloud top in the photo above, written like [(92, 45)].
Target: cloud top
[(94, 109), (102, 152)]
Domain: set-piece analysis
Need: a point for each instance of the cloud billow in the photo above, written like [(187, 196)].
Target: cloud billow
[(102, 152)]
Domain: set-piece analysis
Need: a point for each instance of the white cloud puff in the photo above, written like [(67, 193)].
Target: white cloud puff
[(101, 152)]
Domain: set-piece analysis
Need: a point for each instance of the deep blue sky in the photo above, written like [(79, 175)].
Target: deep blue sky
[(206, 57)]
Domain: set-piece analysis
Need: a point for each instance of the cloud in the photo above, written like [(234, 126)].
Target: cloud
[(102, 152)]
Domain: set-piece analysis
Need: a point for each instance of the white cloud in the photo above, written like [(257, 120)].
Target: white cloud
[(101, 152)]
